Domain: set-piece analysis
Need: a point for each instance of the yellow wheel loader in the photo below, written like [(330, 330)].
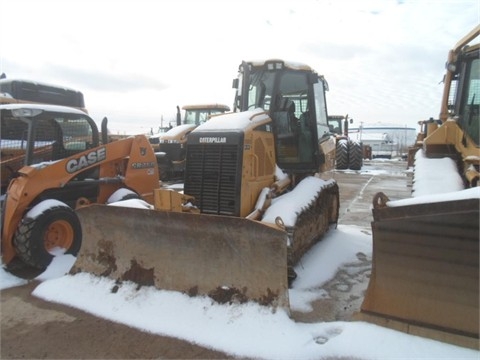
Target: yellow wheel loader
[(170, 148), (38, 216), (425, 265), (256, 197)]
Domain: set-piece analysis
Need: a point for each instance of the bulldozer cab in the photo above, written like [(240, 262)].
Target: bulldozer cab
[(31, 134), (294, 97), (467, 89)]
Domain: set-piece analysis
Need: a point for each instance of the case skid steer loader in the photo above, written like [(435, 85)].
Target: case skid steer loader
[(65, 168), (15, 91), (425, 269), (73, 124), (238, 228), (171, 149)]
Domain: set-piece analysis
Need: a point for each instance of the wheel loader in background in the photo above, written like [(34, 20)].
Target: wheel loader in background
[(170, 150), (65, 168), (238, 228), (425, 265), (349, 153)]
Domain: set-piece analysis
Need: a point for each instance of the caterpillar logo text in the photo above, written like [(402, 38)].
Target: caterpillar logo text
[(212, 140), (84, 161)]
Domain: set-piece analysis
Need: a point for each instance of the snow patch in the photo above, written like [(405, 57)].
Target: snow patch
[(435, 176), (40, 208), (471, 193), (133, 203), (289, 205), (119, 194)]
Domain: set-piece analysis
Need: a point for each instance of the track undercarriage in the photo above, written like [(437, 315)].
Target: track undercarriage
[(314, 221)]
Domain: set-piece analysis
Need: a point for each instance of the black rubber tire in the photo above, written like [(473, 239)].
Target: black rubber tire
[(30, 238), (341, 156), (355, 155)]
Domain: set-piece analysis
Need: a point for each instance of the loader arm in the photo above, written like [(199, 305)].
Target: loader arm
[(129, 162)]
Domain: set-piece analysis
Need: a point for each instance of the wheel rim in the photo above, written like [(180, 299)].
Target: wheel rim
[(59, 234)]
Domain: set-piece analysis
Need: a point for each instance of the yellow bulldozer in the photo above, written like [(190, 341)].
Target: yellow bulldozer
[(233, 233), (425, 265)]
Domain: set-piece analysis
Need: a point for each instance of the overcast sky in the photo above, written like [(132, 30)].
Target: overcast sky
[(136, 60)]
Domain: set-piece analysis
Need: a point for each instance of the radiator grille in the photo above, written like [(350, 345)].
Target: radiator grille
[(213, 177)]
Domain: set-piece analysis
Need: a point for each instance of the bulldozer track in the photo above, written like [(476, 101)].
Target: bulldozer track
[(314, 221)]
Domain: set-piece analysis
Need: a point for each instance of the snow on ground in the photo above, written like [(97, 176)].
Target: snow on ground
[(7, 280), (245, 330)]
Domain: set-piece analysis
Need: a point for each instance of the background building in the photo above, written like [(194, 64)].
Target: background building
[(386, 141)]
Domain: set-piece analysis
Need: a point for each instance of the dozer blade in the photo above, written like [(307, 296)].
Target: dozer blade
[(226, 258), (425, 271)]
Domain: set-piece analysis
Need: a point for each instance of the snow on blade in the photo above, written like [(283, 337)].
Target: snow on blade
[(435, 176), (472, 193), (436, 180)]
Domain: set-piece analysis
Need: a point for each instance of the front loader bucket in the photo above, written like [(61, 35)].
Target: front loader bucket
[(227, 258), (425, 271)]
